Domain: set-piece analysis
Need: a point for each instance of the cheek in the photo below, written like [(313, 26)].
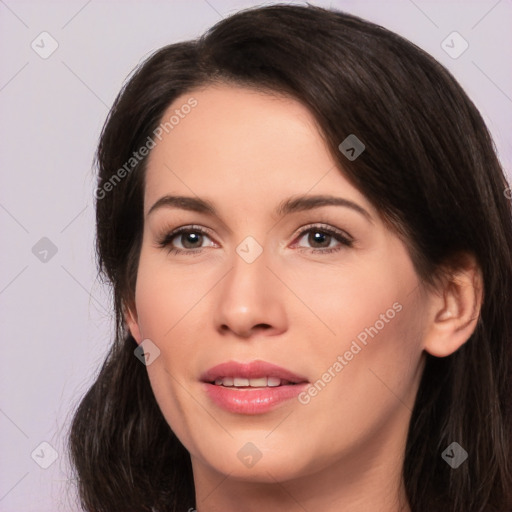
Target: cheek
[(163, 298), (366, 378), (164, 295), (346, 299), (377, 354), (367, 333)]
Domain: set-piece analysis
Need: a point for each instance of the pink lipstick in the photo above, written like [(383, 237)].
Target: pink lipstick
[(251, 388)]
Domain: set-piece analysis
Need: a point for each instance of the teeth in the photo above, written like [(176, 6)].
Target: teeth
[(258, 383), (261, 382), (273, 381)]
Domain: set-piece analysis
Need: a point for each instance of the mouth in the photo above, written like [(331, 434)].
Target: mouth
[(260, 382), (252, 374), (251, 388)]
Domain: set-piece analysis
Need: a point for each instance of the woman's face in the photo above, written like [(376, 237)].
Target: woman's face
[(322, 291)]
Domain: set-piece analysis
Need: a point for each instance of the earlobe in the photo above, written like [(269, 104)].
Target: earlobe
[(132, 322), (455, 310)]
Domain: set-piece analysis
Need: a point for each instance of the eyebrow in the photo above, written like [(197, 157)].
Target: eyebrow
[(290, 205)]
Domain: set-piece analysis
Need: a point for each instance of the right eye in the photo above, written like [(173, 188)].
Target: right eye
[(186, 235)]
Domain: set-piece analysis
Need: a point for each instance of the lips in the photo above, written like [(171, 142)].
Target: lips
[(251, 388)]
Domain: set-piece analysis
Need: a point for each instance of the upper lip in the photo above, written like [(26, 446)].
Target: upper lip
[(250, 370)]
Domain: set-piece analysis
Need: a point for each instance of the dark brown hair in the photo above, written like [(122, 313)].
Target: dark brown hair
[(431, 170)]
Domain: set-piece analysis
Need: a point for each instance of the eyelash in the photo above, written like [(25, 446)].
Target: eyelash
[(166, 239)]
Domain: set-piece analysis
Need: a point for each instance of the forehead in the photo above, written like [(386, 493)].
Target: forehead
[(237, 145)]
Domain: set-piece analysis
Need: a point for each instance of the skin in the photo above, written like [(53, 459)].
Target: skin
[(246, 151)]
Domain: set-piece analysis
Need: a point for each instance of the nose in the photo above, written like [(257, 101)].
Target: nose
[(251, 299)]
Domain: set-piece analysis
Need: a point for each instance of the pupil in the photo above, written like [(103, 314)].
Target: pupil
[(319, 237), (193, 236)]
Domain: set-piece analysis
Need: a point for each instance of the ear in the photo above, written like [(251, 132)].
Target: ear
[(130, 316), (454, 309)]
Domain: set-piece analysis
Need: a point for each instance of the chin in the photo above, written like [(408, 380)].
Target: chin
[(246, 462)]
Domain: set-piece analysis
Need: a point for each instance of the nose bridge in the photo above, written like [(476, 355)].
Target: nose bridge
[(248, 280), (249, 292)]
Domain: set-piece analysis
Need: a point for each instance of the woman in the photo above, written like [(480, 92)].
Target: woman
[(309, 240)]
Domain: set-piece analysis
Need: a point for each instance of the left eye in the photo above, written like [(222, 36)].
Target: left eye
[(321, 235)]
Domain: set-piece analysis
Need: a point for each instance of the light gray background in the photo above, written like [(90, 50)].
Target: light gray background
[(56, 321)]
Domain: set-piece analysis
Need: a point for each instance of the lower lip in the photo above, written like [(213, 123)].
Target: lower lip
[(253, 400)]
